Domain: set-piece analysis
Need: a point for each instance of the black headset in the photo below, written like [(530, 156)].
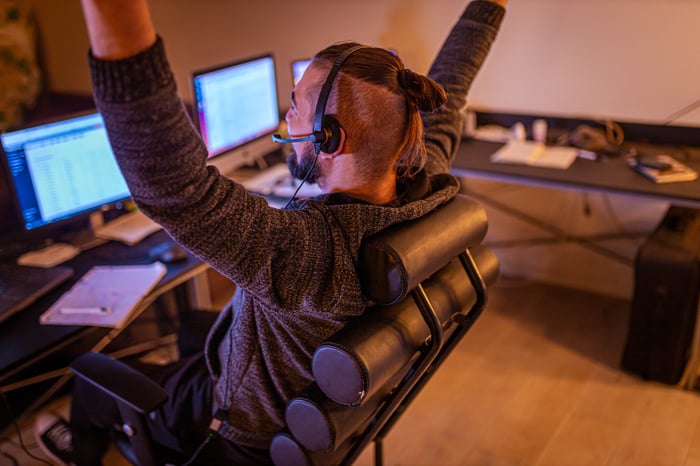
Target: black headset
[(326, 133)]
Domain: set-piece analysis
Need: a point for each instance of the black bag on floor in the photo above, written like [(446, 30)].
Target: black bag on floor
[(665, 301)]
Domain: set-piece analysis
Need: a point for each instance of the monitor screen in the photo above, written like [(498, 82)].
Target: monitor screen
[(62, 170), (298, 68), (236, 110)]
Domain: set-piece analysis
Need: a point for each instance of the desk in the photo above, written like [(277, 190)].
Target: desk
[(31, 351), (611, 175)]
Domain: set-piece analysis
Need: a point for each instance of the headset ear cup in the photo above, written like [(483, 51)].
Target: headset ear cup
[(332, 127)]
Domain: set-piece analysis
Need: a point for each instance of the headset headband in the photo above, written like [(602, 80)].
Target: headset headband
[(326, 91)]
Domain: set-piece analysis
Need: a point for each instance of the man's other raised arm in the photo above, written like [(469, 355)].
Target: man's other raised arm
[(455, 67), (118, 28)]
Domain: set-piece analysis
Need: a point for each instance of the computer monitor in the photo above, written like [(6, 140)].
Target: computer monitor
[(298, 68), (236, 110), (61, 171)]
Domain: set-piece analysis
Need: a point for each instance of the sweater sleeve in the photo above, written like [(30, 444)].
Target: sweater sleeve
[(455, 67), (163, 160)]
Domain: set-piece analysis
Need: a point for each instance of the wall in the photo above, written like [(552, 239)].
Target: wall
[(633, 60), (624, 59)]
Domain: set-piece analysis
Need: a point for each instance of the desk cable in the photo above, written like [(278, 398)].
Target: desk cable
[(212, 431), (19, 435), (221, 414)]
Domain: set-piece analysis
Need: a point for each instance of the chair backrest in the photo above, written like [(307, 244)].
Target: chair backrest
[(429, 278)]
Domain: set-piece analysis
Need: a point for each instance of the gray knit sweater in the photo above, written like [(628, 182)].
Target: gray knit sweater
[(295, 269)]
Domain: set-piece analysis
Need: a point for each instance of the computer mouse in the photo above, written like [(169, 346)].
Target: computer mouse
[(168, 253)]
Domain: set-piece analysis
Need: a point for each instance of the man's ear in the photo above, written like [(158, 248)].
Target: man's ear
[(341, 146)]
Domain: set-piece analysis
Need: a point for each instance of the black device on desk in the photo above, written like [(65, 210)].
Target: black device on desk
[(168, 252), (652, 161)]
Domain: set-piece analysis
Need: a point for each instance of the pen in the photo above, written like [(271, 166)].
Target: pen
[(85, 310)]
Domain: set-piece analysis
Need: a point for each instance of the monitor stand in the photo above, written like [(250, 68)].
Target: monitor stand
[(84, 237)]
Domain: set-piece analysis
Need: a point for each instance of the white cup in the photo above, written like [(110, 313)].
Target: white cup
[(539, 131)]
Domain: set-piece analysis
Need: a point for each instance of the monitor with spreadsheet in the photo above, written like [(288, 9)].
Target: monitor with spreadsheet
[(236, 110), (62, 170)]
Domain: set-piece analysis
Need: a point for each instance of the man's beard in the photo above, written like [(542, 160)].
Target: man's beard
[(301, 168)]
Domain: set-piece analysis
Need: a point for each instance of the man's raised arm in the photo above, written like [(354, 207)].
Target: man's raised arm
[(118, 28), (457, 63)]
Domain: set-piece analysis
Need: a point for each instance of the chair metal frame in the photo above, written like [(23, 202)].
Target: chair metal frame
[(432, 355)]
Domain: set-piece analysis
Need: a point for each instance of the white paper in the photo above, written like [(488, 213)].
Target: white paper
[(105, 296), (536, 154), (556, 157), (522, 152)]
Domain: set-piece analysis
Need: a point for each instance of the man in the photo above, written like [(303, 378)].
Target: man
[(293, 268)]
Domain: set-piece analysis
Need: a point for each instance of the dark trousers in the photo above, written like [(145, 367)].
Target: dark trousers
[(179, 425)]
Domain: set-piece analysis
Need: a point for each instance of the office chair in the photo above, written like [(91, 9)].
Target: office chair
[(428, 279)]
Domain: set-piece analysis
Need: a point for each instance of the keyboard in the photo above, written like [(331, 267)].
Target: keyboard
[(20, 285), (277, 185), (265, 180)]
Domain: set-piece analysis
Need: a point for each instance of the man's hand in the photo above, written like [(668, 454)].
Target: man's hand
[(118, 28)]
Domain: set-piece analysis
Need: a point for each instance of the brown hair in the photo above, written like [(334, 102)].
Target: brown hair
[(379, 108)]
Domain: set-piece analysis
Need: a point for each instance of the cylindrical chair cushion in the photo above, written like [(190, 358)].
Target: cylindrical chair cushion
[(359, 359), (396, 260), (286, 451), (321, 425)]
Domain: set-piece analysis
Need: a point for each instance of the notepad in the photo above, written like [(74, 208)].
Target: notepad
[(674, 172), (105, 296), (535, 154)]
